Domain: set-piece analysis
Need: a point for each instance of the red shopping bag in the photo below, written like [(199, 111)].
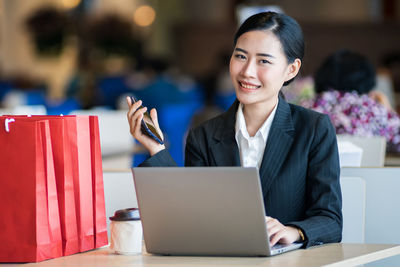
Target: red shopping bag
[(75, 159), (81, 141), (99, 209), (65, 184), (29, 218), (72, 146), (78, 128), (61, 145)]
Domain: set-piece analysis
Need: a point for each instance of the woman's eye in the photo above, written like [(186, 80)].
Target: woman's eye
[(264, 61), (239, 56)]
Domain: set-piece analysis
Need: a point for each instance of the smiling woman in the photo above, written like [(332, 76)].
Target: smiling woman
[(259, 67), (294, 148)]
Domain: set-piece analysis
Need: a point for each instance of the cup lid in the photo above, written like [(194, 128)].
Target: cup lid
[(131, 214)]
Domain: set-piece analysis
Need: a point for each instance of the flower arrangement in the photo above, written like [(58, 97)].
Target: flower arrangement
[(358, 115)]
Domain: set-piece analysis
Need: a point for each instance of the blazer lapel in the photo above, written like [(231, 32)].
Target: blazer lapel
[(225, 150), (279, 141)]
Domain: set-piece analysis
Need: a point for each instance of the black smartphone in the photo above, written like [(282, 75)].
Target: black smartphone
[(147, 125)]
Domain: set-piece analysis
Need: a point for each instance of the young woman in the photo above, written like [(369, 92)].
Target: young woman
[(294, 148)]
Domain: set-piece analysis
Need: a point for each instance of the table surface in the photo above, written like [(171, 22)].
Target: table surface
[(331, 255)]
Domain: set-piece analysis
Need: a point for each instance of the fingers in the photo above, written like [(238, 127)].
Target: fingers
[(154, 117), (135, 116), (273, 226), (278, 236), (277, 232), (129, 101), (133, 107), (135, 130)]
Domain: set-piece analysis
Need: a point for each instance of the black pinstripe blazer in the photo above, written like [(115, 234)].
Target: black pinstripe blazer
[(299, 171)]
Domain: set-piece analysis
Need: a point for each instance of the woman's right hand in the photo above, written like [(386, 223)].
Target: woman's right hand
[(135, 116)]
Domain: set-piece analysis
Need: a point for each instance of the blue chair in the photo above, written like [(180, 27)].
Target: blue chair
[(159, 92), (224, 101), (175, 122), (5, 87), (139, 158), (36, 97), (62, 107), (109, 90)]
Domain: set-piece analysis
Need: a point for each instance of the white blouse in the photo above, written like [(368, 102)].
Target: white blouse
[(251, 148)]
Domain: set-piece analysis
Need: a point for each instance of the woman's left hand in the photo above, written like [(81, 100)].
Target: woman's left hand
[(278, 232)]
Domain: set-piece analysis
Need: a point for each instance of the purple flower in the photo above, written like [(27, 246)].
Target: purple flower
[(360, 115)]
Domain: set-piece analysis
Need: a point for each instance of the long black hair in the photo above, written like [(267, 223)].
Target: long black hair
[(285, 28)]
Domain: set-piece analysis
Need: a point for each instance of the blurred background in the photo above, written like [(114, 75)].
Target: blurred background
[(70, 56)]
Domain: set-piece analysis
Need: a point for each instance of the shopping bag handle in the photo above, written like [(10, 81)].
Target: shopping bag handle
[(6, 122)]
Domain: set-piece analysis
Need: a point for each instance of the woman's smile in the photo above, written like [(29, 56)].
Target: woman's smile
[(247, 86)]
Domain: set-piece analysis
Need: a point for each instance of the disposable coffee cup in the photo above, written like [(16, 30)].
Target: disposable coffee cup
[(126, 232)]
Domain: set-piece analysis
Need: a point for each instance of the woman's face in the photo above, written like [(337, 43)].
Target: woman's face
[(258, 68)]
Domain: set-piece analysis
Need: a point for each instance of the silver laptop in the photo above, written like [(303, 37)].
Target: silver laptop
[(213, 211)]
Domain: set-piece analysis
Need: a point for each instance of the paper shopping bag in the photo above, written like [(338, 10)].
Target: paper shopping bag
[(77, 156), (76, 153), (29, 218), (73, 162), (78, 128), (65, 184), (61, 145), (81, 141), (99, 210)]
